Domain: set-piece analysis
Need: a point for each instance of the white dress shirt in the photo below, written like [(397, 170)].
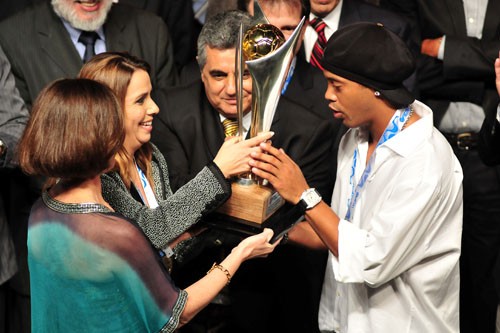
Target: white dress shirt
[(398, 264), (332, 24)]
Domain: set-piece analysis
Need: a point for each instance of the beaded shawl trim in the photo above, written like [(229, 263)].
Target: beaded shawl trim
[(73, 208)]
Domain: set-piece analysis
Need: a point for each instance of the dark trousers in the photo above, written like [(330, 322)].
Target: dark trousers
[(480, 243), (14, 310), (19, 193)]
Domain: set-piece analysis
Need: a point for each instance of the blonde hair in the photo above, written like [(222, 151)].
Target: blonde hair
[(115, 69)]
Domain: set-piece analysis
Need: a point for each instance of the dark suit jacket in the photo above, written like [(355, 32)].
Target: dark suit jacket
[(189, 134), (13, 113), (307, 88), (40, 49), (354, 11), (466, 74), (489, 143), (179, 17)]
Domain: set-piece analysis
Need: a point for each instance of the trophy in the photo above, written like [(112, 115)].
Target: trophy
[(268, 58)]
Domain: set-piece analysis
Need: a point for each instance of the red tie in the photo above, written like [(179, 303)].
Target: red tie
[(319, 46)]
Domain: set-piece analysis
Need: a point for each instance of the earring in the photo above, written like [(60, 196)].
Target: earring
[(377, 93)]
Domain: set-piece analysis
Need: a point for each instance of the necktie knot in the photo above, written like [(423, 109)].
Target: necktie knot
[(318, 25), (230, 127), (318, 49), (88, 39)]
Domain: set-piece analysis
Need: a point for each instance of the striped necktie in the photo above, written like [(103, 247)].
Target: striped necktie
[(230, 127), (319, 47)]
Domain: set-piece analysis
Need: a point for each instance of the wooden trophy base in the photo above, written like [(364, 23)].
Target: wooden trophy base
[(253, 203)]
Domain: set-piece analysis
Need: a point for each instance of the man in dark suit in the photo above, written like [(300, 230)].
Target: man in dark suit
[(489, 150), (42, 45), (459, 42), (339, 13), (13, 119), (265, 294), (489, 136)]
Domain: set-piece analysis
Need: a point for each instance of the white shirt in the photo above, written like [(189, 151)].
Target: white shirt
[(332, 24), (398, 264)]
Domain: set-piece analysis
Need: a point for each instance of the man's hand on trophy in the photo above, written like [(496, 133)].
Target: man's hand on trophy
[(280, 170), (233, 156)]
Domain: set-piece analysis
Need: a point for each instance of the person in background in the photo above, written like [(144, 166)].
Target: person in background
[(52, 39), (13, 119), (91, 269), (179, 18), (489, 151), (459, 41), (394, 227), (326, 16), (489, 135)]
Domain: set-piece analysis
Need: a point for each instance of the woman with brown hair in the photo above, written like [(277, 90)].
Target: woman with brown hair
[(138, 187), (92, 270)]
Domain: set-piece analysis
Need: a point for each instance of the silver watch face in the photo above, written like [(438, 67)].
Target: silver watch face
[(311, 197)]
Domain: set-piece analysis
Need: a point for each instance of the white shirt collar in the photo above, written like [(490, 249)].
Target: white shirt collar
[(332, 24)]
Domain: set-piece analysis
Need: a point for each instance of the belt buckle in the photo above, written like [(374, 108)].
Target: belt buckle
[(464, 141)]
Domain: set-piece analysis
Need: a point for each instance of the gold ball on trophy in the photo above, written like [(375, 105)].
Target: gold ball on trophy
[(261, 40)]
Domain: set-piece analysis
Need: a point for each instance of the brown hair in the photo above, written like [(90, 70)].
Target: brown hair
[(75, 129), (115, 69)]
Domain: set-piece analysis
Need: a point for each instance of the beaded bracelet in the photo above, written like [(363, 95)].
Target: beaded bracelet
[(223, 269)]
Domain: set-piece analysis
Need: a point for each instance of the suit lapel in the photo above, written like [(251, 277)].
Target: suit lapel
[(491, 28), (213, 132), (348, 14), (56, 42), (457, 15)]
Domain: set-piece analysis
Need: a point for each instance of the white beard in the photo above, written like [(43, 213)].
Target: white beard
[(65, 10)]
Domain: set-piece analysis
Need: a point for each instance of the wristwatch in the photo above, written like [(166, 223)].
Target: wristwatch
[(309, 199), (3, 148)]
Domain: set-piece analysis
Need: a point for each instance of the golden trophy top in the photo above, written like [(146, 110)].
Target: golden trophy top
[(260, 40)]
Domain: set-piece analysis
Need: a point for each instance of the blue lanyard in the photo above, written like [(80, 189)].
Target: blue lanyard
[(394, 127), (148, 191), (288, 77)]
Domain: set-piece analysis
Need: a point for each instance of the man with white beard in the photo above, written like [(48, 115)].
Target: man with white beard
[(43, 44)]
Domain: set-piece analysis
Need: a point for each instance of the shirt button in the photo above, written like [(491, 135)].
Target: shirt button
[(471, 20)]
